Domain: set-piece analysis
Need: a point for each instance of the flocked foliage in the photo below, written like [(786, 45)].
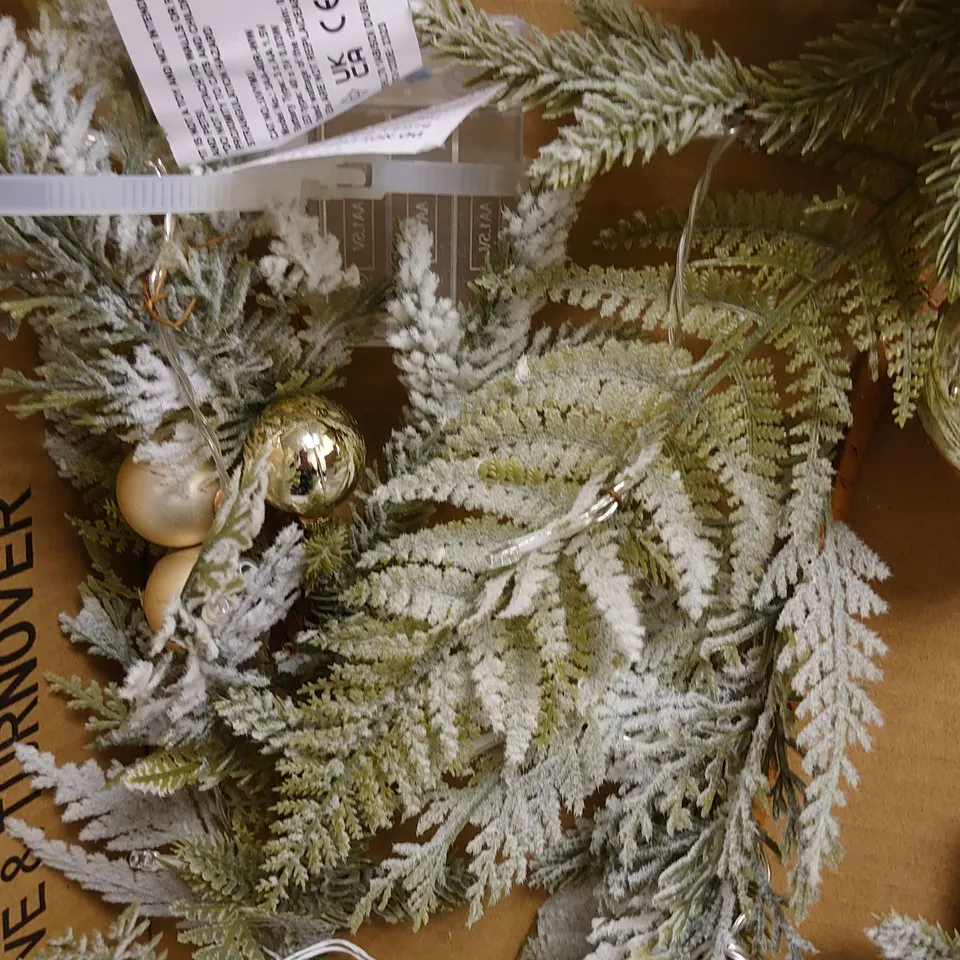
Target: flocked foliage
[(636, 714), (901, 938), (125, 940), (634, 85)]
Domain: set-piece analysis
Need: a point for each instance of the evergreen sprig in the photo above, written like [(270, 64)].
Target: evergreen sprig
[(635, 85), (123, 941), (630, 95), (594, 586), (848, 83), (902, 938), (942, 188)]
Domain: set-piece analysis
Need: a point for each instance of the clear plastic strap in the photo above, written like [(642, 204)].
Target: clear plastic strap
[(363, 178), (375, 177)]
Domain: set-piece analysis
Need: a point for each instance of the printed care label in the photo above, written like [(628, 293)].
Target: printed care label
[(232, 77), (413, 133)]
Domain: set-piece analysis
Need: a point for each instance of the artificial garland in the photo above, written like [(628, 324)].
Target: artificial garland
[(640, 605)]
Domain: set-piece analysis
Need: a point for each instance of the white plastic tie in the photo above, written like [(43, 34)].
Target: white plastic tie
[(54, 195)]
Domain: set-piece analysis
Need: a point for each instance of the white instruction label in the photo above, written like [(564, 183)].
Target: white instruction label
[(408, 135), (232, 77)]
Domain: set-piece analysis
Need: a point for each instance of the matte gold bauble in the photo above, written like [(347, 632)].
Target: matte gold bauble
[(940, 404), (166, 583), (315, 452), (171, 513)]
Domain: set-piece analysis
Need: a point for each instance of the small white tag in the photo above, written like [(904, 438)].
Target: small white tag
[(232, 77), (403, 136)]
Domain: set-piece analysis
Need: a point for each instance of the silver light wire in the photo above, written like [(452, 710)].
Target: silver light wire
[(328, 948), (678, 290), (612, 498), (168, 345)]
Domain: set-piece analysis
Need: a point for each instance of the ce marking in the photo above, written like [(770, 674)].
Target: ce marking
[(328, 6)]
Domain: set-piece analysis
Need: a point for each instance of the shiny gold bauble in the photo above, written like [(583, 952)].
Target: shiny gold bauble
[(166, 583), (168, 512), (940, 404), (315, 452)]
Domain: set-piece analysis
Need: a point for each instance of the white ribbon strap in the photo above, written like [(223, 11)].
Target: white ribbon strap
[(250, 189)]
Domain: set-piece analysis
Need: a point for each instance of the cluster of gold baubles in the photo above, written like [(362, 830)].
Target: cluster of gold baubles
[(315, 455)]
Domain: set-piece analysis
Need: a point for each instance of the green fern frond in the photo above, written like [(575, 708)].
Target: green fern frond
[(219, 867), (542, 438), (636, 297), (748, 457), (861, 258), (108, 710), (220, 931), (168, 771), (821, 413), (258, 714), (123, 941), (733, 223)]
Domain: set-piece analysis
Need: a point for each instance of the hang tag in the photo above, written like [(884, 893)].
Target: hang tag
[(411, 134), (227, 79)]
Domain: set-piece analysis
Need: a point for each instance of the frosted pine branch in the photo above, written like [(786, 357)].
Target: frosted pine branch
[(533, 238), (113, 879), (630, 95), (94, 26), (831, 658), (48, 103), (425, 332), (901, 938), (301, 255), (123, 941), (113, 815), (172, 698), (99, 629)]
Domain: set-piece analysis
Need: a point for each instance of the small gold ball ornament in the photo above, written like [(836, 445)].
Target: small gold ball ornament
[(166, 582), (315, 452), (940, 404), (167, 512)]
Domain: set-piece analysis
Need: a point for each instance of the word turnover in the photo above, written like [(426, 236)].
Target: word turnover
[(20, 929)]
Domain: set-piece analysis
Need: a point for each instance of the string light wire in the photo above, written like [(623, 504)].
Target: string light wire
[(167, 341), (328, 948), (612, 498)]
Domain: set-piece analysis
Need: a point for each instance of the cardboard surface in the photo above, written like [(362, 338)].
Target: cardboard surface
[(901, 829), (41, 566)]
